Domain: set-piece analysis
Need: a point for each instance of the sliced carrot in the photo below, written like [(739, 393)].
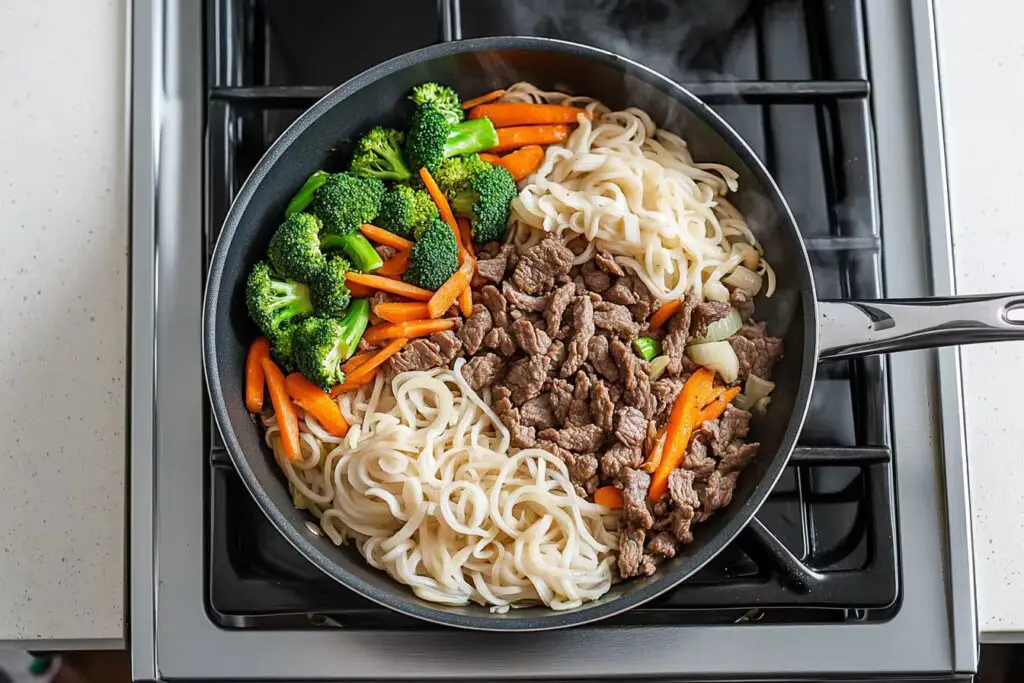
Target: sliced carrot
[(358, 359), (492, 159), (315, 400), (679, 428), (654, 457), (400, 312), (661, 315), (359, 291), (382, 236), (505, 114), (365, 371), (254, 379), (409, 329), (468, 265), (714, 410), (466, 232), (521, 136), (483, 99), (386, 284), (442, 202), (287, 418), (523, 162), (447, 294), (395, 266), (609, 496), (339, 389)]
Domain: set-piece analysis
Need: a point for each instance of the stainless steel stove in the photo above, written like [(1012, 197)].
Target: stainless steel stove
[(858, 566)]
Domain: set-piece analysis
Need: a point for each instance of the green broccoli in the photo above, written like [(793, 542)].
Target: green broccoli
[(273, 302), (329, 291), (486, 203), (294, 249), (454, 174), (405, 211), (305, 194), (434, 258), (343, 203), (323, 344), (442, 97), (432, 139), (281, 345), (379, 155)]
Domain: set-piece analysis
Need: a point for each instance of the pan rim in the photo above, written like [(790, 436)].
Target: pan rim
[(397, 598)]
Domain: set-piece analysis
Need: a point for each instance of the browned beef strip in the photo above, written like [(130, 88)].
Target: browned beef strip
[(615, 318), (756, 352), (680, 488), (733, 424), (582, 470), (522, 436), (559, 301), (531, 340), (678, 331), (489, 250), (375, 299), (705, 313), (385, 252), (526, 378), (617, 459), (665, 392), (634, 498), (579, 439), (663, 544), (537, 412), (630, 426), (578, 412), (517, 299), (601, 359), (448, 343), (582, 331), (483, 371), (501, 341), (606, 262), (540, 265), (737, 455), (631, 552), (493, 269), (620, 293), (602, 408), (561, 399), (421, 354), (680, 522), (742, 302), (698, 461), (596, 280), (490, 297), (716, 493), (475, 328)]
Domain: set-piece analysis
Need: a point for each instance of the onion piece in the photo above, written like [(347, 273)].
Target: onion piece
[(658, 366), (717, 356), (743, 402), (751, 256), (757, 388), (761, 407), (721, 329), (743, 278), (716, 291)]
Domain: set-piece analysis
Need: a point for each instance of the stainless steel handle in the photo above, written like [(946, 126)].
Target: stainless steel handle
[(848, 329)]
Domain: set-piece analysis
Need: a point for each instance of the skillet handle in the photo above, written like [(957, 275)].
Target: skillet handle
[(850, 329)]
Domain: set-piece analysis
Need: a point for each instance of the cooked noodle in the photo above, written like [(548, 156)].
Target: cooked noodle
[(633, 190), (427, 487)]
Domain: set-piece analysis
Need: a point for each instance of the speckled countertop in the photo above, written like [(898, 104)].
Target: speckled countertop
[(981, 62), (63, 283)]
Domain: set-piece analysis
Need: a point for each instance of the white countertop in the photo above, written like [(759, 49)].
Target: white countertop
[(63, 278), (981, 62)]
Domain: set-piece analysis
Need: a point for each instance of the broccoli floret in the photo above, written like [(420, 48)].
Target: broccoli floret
[(378, 155), (434, 258), (295, 248), (442, 97), (329, 290), (405, 211), (273, 302), (454, 174), (343, 203), (432, 139), (321, 345), (304, 196), (486, 203), (281, 345)]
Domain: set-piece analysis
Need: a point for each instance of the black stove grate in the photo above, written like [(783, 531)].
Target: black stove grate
[(791, 78)]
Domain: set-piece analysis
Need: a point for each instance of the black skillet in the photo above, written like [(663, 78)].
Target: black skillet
[(812, 330)]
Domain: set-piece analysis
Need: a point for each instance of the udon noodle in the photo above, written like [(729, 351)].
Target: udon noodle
[(427, 487), (635, 191)]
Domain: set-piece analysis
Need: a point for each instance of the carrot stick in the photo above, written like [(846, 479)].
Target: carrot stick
[(505, 114), (680, 427), (409, 329), (468, 266), (359, 291), (714, 410), (365, 371), (287, 418), (483, 99), (522, 162), (661, 315), (339, 389), (447, 294), (466, 232), (492, 159), (315, 400), (382, 236), (608, 496), (386, 284), (254, 380), (521, 136), (395, 266), (654, 457), (358, 359), (442, 202), (401, 312)]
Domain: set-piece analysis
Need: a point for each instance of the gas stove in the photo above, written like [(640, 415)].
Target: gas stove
[(866, 536)]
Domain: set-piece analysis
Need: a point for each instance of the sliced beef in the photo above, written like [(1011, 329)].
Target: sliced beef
[(582, 330), (596, 280), (678, 331), (375, 299), (698, 461), (680, 522), (606, 262), (617, 459), (561, 399), (556, 352), (578, 412), (631, 552), (424, 354), (705, 313), (490, 297), (665, 392), (522, 436), (483, 371), (518, 299), (663, 544), (540, 265), (582, 471), (630, 427), (559, 301), (499, 340), (718, 434), (601, 359), (615, 318), (716, 492), (645, 303), (531, 340), (579, 439), (742, 302), (634, 498), (737, 455), (448, 345), (526, 378), (620, 293), (493, 269), (680, 488), (756, 351), (537, 412), (385, 252), (475, 328), (602, 408)]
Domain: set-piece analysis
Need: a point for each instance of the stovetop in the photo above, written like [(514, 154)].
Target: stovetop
[(832, 547)]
